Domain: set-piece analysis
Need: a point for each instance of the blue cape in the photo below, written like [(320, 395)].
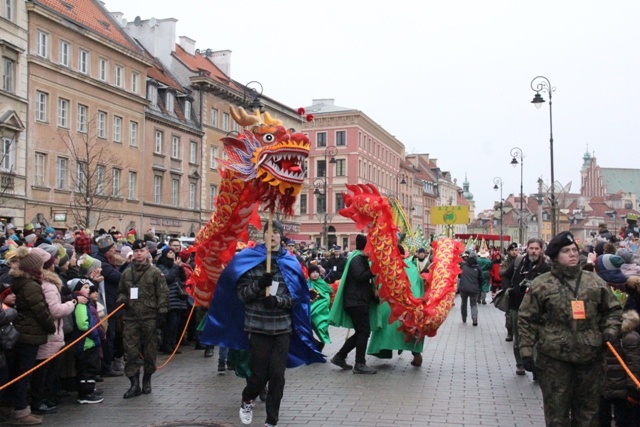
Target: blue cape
[(224, 324)]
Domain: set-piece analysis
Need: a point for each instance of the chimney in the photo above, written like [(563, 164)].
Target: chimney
[(222, 60), (189, 45), (158, 36), (323, 101)]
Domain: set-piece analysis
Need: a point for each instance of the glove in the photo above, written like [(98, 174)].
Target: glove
[(265, 281), (527, 364), (270, 302), (123, 303), (608, 337), (161, 319)]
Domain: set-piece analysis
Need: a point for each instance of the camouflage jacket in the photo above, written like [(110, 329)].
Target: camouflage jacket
[(153, 292), (546, 321)]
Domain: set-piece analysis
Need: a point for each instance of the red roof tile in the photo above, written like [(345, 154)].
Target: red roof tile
[(200, 62), (92, 15)]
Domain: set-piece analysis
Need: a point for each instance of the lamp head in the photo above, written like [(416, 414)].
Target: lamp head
[(333, 160), (514, 162), (538, 100), (495, 187), (403, 182)]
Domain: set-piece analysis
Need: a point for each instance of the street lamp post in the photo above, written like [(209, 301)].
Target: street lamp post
[(542, 84), (321, 182), (516, 153), (497, 184)]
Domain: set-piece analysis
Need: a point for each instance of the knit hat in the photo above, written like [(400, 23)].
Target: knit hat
[(76, 284), (152, 246), (44, 255), (361, 242), (104, 243), (28, 227), (125, 251), (557, 243), (89, 263), (32, 264), (422, 250), (69, 250), (52, 249), (277, 226), (30, 238), (50, 230), (313, 269), (609, 262), (626, 255), (166, 249)]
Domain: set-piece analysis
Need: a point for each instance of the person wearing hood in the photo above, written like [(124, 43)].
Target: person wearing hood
[(470, 286), (568, 315), (34, 323)]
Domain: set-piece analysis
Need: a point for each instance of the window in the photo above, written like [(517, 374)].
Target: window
[(81, 177), (213, 193), (321, 170), (175, 190), (119, 76), (42, 48), (341, 167), (187, 110), (152, 95), (42, 100), (83, 61), (193, 152), (341, 137), (236, 126), (8, 9), (101, 125), (40, 162), (225, 121), (115, 182), (117, 129), (63, 53), (100, 171), (83, 112), (63, 113), (213, 154), (157, 189), (157, 148), (175, 147), (8, 75), (303, 204), (6, 156), (170, 102), (133, 133), (135, 82), (192, 195), (339, 204), (103, 69), (321, 203), (321, 139), (133, 183), (61, 173), (214, 117)]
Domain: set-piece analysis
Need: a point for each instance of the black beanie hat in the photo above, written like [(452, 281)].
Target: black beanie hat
[(313, 269), (277, 226), (361, 242)]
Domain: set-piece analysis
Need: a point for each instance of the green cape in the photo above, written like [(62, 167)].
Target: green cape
[(320, 309)]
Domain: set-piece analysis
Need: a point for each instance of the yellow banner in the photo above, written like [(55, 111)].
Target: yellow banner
[(447, 215)]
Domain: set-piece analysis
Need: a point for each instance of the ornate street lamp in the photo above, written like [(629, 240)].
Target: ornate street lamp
[(321, 182), (516, 153), (497, 184), (542, 84)]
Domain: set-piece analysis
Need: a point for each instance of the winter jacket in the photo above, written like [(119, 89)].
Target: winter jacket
[(111, 276), (470, 277), (494, 274), (7, 315), (358, 291), (51, 288), (83, 320), (34, 320), (173, 275), (618, 384), (521, 273)]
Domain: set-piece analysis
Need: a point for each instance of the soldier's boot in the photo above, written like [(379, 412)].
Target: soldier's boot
[(146, 383), (134, 390)]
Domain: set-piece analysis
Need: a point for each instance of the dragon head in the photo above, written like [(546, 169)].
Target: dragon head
[(268, 152)]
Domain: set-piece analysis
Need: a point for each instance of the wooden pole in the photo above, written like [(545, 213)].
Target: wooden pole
[(268, 245)]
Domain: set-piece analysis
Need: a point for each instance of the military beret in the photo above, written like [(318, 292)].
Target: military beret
[(560, 241), (139, 244)]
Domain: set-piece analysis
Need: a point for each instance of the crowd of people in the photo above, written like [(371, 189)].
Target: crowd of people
[(273, 306)]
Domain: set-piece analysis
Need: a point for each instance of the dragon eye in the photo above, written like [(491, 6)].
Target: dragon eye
[(268, 138)]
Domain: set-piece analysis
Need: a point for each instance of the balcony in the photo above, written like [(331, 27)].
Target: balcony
[(7, 182)]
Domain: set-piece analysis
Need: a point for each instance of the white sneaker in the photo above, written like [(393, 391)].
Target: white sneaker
[(246, 412)]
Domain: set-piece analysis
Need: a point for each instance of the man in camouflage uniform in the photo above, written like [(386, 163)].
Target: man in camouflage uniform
[(568, 315), (144, 292)]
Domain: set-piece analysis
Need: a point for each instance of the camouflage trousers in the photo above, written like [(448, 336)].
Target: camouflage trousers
[(570, 391), (140, 339)]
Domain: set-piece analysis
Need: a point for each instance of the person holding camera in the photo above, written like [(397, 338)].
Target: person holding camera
[(521, 273)]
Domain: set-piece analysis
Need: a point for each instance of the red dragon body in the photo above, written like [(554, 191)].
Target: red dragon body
[(419, 317)]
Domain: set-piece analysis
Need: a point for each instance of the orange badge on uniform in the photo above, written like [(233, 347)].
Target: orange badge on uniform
[(577, 308)]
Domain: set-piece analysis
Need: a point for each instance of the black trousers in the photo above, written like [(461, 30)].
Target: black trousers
[(360, 318), (268, 362)]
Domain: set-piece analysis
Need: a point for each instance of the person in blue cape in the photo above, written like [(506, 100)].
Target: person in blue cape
[(267, 314)]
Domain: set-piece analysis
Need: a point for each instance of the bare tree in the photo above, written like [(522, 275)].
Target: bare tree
[(96, 180)]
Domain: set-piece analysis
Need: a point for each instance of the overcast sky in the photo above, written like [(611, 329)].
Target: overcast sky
[(449, 78)]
